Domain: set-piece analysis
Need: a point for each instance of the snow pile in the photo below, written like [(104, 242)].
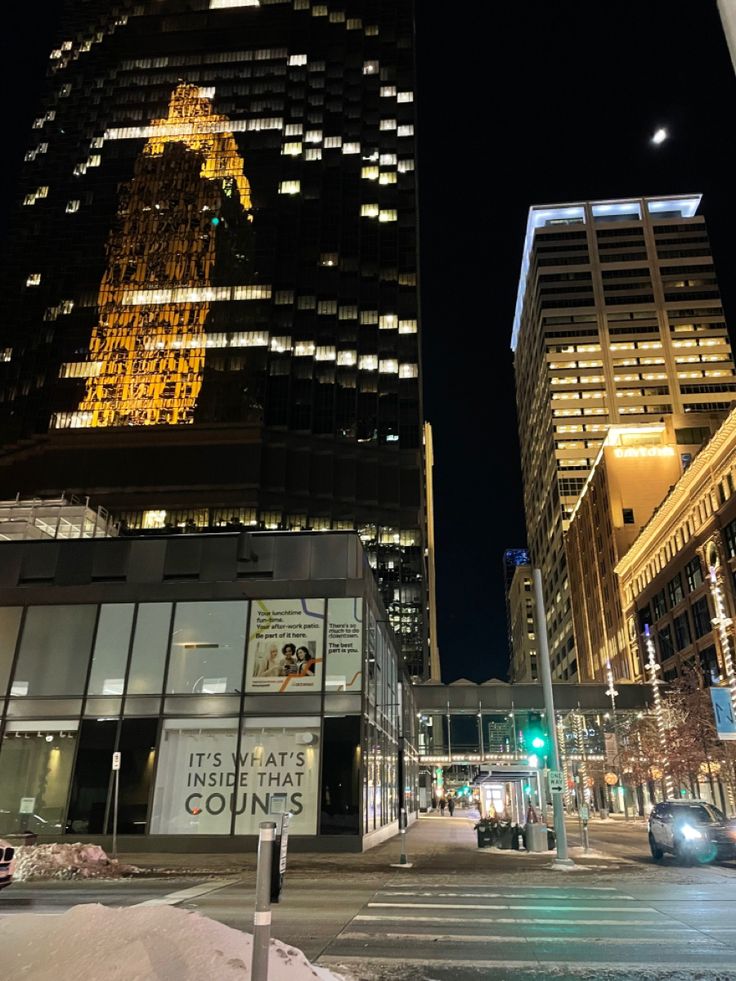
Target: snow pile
[(137, 944), (66, 861)]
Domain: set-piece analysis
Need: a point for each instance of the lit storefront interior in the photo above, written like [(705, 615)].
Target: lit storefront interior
[(239, 676)]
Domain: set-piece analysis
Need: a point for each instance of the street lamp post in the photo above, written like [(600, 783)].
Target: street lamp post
[(612, 693), (549, 705)]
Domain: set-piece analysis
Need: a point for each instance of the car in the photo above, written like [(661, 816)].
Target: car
[(692, 830), (7, 863)]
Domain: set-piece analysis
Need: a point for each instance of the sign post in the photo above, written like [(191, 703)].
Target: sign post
[(116, 757), (723, 713), (262, 914)]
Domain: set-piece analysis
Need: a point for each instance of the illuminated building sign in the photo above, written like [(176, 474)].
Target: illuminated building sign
[(643, 451)]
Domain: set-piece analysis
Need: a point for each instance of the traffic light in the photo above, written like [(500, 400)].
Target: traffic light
[(535, 735)]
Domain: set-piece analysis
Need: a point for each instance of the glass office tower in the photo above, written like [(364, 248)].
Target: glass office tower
[(209, 290)]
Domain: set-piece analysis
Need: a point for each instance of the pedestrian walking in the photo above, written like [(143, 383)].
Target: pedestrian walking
[(451, 805), (443, 804)]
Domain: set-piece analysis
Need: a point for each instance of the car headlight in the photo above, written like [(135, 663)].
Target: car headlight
[(689, 833)]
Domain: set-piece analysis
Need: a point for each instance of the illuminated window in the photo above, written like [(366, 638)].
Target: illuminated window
[(300, 59), (408, 371), (369, 173), (387, 178), (405, 97), (369, 211), (293, 129), (313, 136), (389, 366), (313, 153), (291, 149), (369, 316), (332, 142), (325, 354), (304, 349), (348, 313), (388, 215), (34, 279), (72, 207), (369, 67), (327, 307), (388, 91), (388, 124), (280, 345), (290, 187), (328, 259), (368, 362), (405, 131), (407, 326), (388, 321), (347, 359), (351, 148)]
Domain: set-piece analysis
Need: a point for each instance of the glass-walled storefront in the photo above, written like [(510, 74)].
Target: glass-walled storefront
[(225, 713)]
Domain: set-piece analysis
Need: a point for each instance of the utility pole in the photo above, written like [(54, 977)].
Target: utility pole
[(549, 707)]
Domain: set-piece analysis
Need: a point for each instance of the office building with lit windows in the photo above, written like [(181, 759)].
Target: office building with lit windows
[(209, 290), (520, 602), (618, 320), (678, 578), (634, 471)]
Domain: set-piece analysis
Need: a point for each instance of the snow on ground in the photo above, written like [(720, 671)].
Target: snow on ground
[(66, 861), (99, 943)]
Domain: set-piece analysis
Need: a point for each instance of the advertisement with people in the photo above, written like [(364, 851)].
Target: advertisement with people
[(285, 646)]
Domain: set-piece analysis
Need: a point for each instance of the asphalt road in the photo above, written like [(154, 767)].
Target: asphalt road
[(460, 914)]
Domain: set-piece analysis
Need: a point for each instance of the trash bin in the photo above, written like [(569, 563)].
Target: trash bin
[(551, 839), (504, 838), (485, 837), (536, 837)]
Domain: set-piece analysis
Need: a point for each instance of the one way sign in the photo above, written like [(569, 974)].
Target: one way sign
[(724, 713)]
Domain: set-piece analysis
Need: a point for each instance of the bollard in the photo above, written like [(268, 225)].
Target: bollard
[(586, 843), (402, 835), (262, 915), (403, 862)]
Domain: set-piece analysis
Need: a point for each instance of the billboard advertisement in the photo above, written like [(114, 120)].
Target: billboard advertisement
[(285, 646), (344, 658)]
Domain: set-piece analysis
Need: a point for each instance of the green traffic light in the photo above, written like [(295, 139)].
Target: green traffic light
[(537, 742)]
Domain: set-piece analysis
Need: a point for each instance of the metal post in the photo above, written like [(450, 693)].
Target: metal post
[(262, 915), (549, 707), (115, 815)]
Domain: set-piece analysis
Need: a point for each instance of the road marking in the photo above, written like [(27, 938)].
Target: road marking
[(485, 939), (520, 919), (559, 909), (620, 968), (174, 898)]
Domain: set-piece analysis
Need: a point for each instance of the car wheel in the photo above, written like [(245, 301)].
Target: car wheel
[(654, 848)]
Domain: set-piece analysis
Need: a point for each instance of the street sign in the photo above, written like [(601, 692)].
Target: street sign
[(556, 781), (116, 761), (723, 712), (27, 805), (584, 812)]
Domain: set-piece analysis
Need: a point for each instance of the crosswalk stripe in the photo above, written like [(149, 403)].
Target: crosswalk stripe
[(619, 968), (557, 909), (519, 919), (487, 938)]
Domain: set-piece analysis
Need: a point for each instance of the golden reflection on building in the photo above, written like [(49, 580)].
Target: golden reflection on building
[(151, 354)]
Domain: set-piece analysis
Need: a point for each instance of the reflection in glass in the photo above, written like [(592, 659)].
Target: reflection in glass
[(91, 783), (9, 624), (339, 810), (35, 768), (149, 649), (138, 754), (54, 650), (207, 648), (110, 657)]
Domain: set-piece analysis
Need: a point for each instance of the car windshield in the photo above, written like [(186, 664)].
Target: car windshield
[(702, 813)]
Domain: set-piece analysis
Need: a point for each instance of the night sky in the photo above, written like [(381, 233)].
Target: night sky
[(519, 103)]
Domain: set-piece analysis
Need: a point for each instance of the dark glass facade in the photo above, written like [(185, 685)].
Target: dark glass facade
[(209, 290)]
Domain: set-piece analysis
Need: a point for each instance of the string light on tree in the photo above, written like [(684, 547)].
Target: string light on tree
[(654, 668)]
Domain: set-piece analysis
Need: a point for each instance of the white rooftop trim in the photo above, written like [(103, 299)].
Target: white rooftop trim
[(541, 215)]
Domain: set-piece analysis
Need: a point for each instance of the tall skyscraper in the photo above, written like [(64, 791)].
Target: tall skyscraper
[(618, 320), (209, 294)]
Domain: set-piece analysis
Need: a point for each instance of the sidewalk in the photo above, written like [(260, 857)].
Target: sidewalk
[(433, 843)]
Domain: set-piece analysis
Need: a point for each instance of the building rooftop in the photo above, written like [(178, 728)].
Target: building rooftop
[(543, 215)]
